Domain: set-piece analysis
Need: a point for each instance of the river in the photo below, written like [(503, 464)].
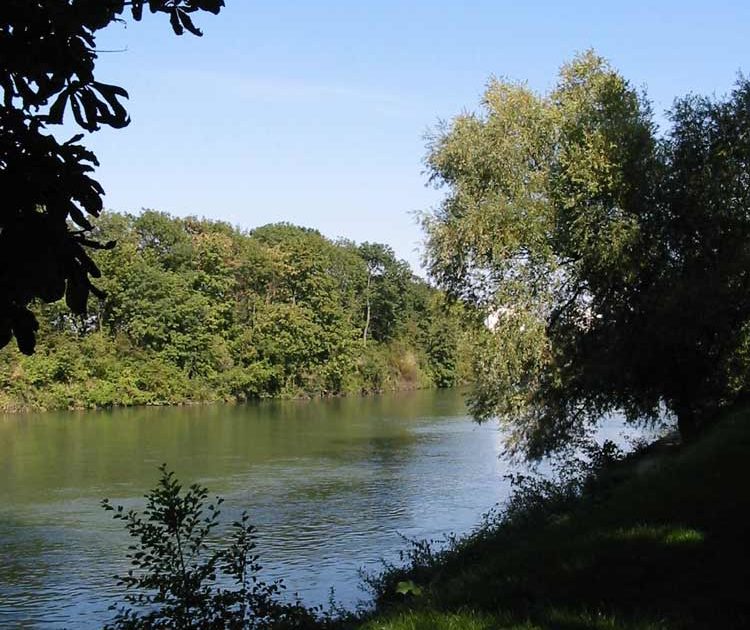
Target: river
[(331, 485)]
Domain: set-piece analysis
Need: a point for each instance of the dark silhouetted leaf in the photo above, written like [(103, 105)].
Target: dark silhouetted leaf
[(188, 24), (174, 20), (24, 326), (78, 218), (77, 293), (57, 111)]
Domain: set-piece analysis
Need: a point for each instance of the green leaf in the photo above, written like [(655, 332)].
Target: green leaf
[(408, 587)]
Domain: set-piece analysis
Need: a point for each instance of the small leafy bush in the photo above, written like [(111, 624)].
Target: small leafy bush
[(184, 578)]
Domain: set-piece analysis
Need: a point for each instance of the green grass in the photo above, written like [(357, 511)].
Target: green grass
[(662, 545)]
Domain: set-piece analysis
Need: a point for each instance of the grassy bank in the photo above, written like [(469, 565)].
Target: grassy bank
[(659, 541)]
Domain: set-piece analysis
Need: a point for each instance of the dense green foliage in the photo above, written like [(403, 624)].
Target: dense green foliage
[(47, 69), (198, 311), (612, 262), (655, 542)]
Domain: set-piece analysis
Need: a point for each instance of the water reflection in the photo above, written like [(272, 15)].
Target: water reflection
[(329, 484)]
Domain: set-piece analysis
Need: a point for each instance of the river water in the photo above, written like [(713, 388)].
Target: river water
[(331, 485)]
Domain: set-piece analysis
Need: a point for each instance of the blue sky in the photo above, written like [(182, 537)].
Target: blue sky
[(315, 112)]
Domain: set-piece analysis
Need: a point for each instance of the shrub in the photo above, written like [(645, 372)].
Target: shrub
[(182, 578)]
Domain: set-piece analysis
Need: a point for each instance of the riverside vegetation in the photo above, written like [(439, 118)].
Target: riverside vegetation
[(197, 310), (612, 253), (652, 541), (613, 258)]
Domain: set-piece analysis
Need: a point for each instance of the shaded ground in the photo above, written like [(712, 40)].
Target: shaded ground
[(664, 544)]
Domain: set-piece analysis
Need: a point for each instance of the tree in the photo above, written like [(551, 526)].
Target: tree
[(200, 310), (611, 263), (47, 63), (384, 293)]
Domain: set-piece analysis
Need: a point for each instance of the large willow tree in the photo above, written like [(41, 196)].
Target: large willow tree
[(612, 261)]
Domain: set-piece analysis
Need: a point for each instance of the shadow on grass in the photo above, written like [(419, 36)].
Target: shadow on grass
[(664, 547)]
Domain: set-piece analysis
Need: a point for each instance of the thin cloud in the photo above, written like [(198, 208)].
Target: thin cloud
[(289, 90)]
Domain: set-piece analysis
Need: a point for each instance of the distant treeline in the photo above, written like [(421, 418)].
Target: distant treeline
[(199, 310)]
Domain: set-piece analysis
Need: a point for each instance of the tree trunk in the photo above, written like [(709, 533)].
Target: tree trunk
[(367, 318), (688, 423)]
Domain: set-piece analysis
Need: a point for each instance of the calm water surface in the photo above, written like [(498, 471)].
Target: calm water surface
[(329, 484)]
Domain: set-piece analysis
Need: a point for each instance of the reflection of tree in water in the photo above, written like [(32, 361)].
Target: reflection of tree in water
[(328, 483)]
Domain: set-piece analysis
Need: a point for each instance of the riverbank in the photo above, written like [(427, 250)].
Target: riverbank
[(658, 541), (329, 483), (12, 406), (27, 387), (198, 311)]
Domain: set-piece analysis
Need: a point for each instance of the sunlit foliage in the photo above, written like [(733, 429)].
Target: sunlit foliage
[(198, 310), (611, 261)]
